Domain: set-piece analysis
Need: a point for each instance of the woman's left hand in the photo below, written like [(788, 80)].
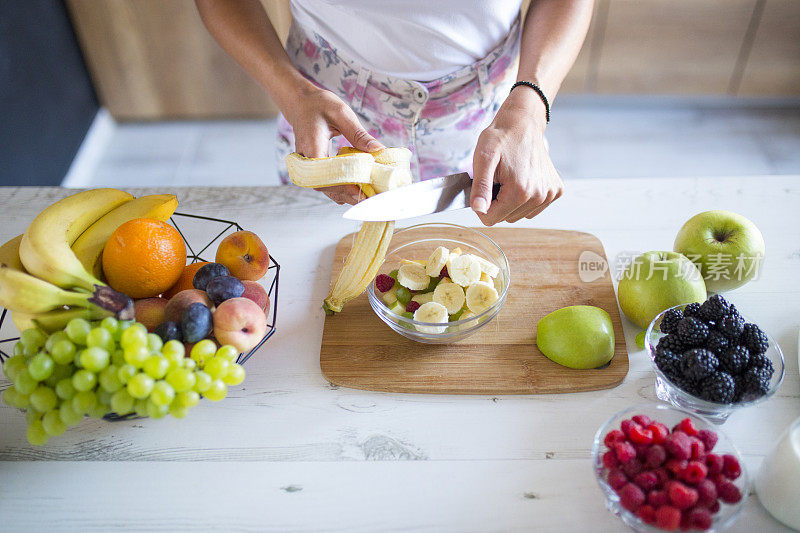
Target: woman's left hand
[(512, 152)]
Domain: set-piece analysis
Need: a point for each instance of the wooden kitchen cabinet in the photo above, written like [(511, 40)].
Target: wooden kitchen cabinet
[(154, 59)]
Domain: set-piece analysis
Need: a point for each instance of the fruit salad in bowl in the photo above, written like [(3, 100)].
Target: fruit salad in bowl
[(440, 283)]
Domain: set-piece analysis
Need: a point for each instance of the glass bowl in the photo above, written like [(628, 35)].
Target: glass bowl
[(669, 391), (416, 242), (670, 416)]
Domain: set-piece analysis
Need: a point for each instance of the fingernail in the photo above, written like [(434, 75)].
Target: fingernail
[(480, 206)]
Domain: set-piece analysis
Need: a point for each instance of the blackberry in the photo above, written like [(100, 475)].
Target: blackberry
[(699, 363), (756, 383), (735, 360), (731, 326), (739, 389), (719, 387), (671, 343), (686, 384), (713, 309), (669, 363), (762, 361), (692, 332), (691, 309), (717, 342), (754, 339), (669, 322)]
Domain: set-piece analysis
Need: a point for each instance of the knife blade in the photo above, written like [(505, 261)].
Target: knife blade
[(421, 198)]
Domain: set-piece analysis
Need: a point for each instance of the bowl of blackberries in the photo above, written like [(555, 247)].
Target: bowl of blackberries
[(712, 360)]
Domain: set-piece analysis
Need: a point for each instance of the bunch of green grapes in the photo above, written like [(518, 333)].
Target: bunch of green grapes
[(92, 369)]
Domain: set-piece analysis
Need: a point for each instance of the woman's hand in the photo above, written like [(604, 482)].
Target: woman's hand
[(512, 152), (317, 115)]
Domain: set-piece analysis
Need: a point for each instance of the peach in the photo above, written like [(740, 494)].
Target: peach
[(150, 312), (182, 300), (256, 292), (240, 322), (244, 254)]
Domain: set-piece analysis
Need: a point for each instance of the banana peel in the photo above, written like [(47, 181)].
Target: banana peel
[(387, 169)]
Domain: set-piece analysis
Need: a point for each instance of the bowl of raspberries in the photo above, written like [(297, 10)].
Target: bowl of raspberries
[(710, 359), (662, 468)]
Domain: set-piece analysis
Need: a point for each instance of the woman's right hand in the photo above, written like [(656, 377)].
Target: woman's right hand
[(317, 115)]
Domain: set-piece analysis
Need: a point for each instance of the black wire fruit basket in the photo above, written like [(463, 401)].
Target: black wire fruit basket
[(220, 229)]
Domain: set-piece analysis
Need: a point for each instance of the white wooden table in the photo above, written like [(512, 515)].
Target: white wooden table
[(287, 451)]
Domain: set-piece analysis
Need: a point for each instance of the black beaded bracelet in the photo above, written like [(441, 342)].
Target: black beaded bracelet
[(540, 93)]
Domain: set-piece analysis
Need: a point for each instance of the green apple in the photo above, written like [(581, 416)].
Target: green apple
[(726, 247), (578, 336), (655, 281)]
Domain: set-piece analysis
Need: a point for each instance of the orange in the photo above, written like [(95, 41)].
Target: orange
[(185, 281), (144, 257)]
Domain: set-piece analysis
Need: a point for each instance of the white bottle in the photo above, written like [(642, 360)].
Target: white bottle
[(778, 480)]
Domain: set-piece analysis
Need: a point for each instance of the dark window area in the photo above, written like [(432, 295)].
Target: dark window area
[(46, 98)]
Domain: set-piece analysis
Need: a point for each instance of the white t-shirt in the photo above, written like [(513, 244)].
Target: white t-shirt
[(413, 39)]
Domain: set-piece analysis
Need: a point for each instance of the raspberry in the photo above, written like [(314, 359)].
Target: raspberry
[(656, 455), (670, 320), (640, 435), (647, 514), (698, 448), (660, 432), (678, 445), (444, 273), (657, 498), (612, 437), (668, 518), (631, 497), (643, 420), (700, 518), (646, 480), (714, 463), (641, 451), (687, 426), (676, 466), (680, 495), (731, 467), (627, 426), (384, 283), (625, 452), (412, 306), (631, 468), (728, 492), (706, 492), (610, 460), (709, 438), (695, 472), (663, 476), (714, 507), (616, 478)]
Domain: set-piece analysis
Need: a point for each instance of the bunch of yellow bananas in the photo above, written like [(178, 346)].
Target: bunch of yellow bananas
[(52, 273), (373, 173)]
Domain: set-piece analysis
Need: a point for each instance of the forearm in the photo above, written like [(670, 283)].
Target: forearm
[(243, 29), (552, 35)]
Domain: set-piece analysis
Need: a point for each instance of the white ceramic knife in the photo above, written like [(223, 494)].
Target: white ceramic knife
[(421, 198)]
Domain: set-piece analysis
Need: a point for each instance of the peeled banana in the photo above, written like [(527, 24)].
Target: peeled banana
[(373, 173), (45, 246), (89, 246)]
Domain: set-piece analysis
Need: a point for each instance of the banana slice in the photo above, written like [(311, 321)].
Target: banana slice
[(485, 277), (466, 325), (487, 266), (437, 261), (413, 277), (481, 296), (422, 298), (464, 270), (431, 312), (456, 251), (449, 295)]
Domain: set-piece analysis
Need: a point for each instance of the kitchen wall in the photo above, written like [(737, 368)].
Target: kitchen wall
[(46, 97)]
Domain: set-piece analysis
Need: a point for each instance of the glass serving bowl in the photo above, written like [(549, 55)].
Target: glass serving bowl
[(670, 416), (418, 242), (668, 391)]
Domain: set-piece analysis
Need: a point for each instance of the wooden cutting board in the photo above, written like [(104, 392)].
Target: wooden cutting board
[(361, 352)]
